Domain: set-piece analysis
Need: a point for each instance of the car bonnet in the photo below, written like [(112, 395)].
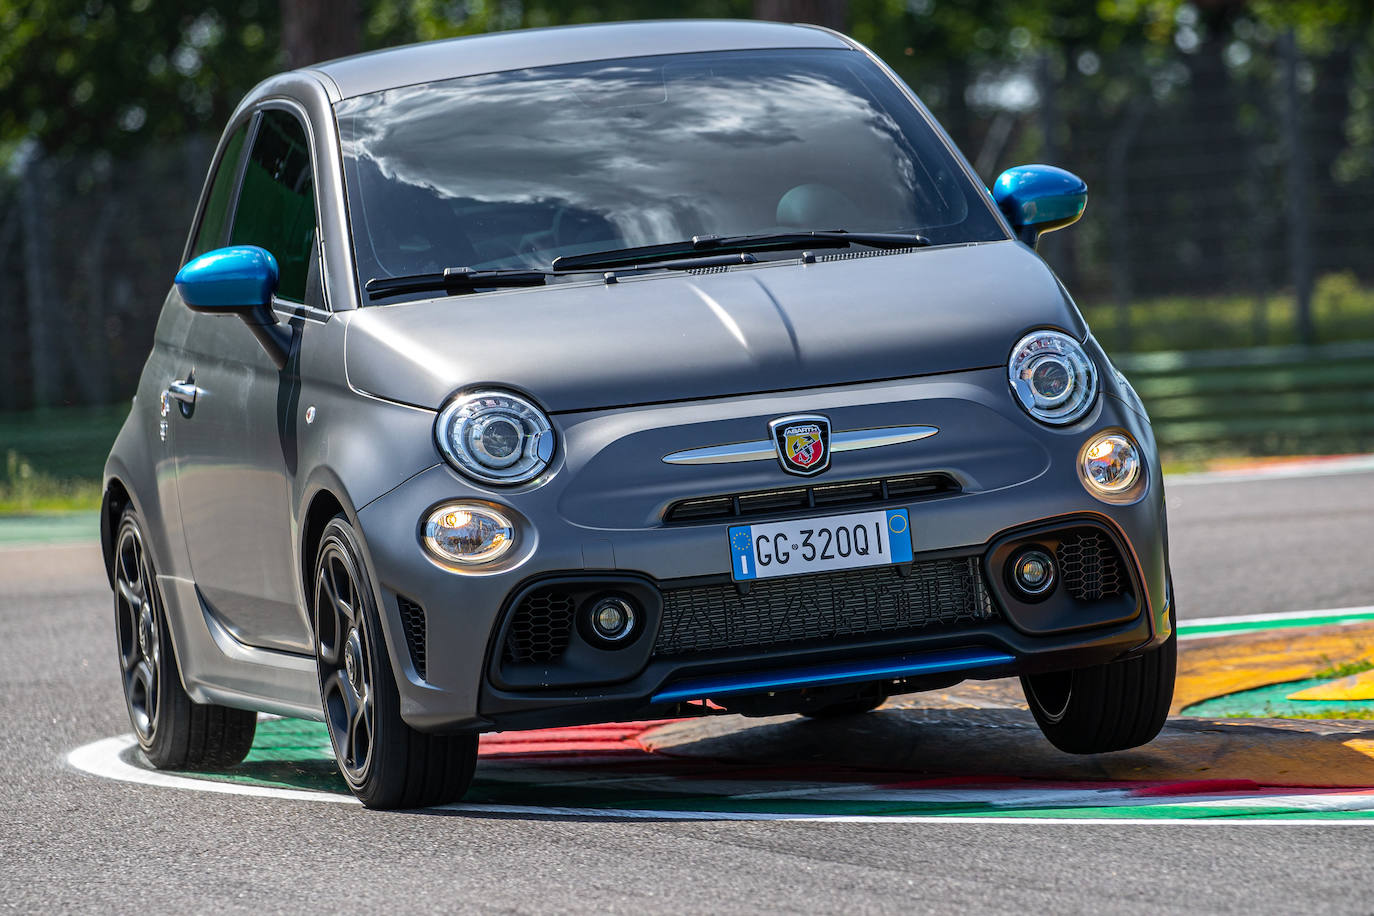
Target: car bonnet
[(855, 316)]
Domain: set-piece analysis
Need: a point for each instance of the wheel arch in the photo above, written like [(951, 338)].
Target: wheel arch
[(113, 502), (326, 498)]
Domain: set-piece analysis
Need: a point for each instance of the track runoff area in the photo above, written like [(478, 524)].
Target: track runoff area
[(1273, 724)]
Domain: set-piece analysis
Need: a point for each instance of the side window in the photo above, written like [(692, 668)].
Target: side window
[(214, 221), (276, 208)]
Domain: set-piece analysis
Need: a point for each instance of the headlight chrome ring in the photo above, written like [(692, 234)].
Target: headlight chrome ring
[(1052, 377), (468, 533), (495, 437)]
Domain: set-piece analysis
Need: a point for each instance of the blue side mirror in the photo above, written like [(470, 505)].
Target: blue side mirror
[(238, 280), (1039, 198)]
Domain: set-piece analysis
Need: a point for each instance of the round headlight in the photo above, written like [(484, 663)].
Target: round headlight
[(468, 534), (1052, 377), (495, 437), (1110, 464)]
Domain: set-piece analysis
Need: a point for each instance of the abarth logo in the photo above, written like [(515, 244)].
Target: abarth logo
[(803, 444)]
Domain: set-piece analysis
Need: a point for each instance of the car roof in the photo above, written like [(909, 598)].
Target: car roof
[(491, 53)]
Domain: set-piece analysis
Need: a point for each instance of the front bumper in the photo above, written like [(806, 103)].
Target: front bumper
[(600, 516)]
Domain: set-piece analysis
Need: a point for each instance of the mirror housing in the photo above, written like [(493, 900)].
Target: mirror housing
[(238, 280), (1037, 199)]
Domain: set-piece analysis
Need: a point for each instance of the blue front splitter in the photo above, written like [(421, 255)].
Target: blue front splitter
[(854, 672)]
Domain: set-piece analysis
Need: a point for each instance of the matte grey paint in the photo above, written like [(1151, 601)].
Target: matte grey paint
[(778, 326), (915, 339)]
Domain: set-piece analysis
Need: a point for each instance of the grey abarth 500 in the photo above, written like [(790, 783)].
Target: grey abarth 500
[(618, 372)]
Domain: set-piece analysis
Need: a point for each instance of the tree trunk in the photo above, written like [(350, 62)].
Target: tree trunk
[(316, 30), (833, 14), (44, 311)]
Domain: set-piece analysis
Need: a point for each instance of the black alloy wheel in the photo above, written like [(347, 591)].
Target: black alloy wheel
[(386, 763), (172, 730)]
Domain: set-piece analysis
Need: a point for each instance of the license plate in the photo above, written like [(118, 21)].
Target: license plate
[(814, 545)]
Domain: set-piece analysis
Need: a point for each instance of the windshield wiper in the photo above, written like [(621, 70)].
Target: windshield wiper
[(453, 280), (771, 241)]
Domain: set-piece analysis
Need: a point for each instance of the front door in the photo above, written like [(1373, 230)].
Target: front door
[(235, 424)]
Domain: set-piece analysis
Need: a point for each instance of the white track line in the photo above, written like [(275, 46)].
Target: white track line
[(105, 758), (1367, 609)]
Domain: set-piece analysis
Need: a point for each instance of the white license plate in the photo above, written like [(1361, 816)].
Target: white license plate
[(814, 545)]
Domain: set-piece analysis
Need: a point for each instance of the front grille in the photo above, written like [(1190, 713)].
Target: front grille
[(813, 496), (413, 620), (541, 627), (1090, 565), (822, 608)]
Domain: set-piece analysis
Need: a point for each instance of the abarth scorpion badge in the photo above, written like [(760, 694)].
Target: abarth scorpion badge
[(803, 443)]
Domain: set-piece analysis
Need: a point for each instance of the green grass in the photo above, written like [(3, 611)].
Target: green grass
[(1345, 669), (1336, 714), (1341, 310), (51, 460)]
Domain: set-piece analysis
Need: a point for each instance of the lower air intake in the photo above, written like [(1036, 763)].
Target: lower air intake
[(848, 605), (413, 620), (1089, 565), (541, 627)]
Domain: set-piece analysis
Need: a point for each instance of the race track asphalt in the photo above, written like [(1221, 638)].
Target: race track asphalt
[(71, 841)]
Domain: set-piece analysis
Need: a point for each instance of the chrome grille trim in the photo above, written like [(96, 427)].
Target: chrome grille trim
[(850, 440)]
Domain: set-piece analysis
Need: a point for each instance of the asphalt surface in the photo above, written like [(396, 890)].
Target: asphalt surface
[(70, 841)]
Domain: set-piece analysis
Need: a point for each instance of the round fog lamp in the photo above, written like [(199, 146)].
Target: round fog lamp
[(1033, 572), (1110, 464), (612, 619), (468, 534)]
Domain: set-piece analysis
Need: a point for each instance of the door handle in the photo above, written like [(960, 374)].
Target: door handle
[(183, 390)]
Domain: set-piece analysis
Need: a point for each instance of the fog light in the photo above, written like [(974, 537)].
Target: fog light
[(612, 619), (1033, 572), (1110, 464), (468, 534)]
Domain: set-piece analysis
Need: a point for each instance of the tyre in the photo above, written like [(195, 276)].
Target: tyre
[(174, 731), (1108, 707), (386, 763)]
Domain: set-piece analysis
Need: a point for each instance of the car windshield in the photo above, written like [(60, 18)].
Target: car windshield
[(514, 169)]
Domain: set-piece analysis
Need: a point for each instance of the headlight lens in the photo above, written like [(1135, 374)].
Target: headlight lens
[(1053, 378), (468, 534), (1110, 464), (495, 437)]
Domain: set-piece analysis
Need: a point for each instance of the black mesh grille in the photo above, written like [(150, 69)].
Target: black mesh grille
[(814, 496), (1090, 566), (824, 607), (541, 627), (413, 619)]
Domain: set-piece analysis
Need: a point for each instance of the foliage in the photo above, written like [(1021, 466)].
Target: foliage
[(1342, 310), (119, 74), (24, 490)]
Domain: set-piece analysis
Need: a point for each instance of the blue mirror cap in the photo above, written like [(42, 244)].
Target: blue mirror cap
[(234, 279), (1040, 196)]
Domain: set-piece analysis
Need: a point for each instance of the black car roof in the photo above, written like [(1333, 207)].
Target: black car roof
[(490, 53)]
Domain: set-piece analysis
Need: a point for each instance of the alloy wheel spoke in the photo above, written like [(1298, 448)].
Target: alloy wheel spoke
[(329, 628), (127, 592)]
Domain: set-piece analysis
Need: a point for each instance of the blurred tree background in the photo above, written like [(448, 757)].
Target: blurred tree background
[(1228, 146)]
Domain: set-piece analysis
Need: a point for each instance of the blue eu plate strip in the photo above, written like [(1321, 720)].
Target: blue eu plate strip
[(858, 671), (742, 552), (899, 535)]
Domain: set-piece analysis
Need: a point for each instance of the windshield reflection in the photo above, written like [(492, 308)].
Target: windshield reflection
[(516, 168)]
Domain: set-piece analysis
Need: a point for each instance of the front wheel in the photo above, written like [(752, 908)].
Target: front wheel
[(1108, 707), (386, 763)]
